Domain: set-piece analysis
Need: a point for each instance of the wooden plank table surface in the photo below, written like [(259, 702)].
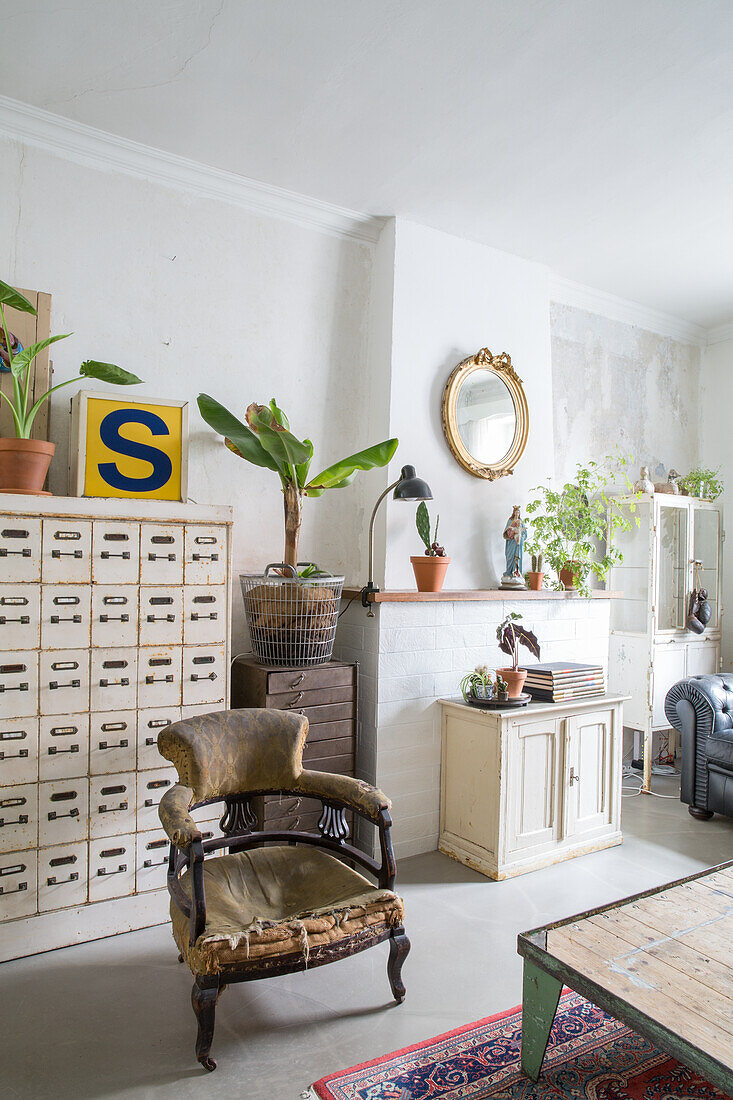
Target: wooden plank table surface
[(661, 961)]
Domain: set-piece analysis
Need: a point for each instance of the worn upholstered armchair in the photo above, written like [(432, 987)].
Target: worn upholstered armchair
[(277, 902)]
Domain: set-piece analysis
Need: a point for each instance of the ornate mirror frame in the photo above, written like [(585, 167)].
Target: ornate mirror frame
[(502, 366)]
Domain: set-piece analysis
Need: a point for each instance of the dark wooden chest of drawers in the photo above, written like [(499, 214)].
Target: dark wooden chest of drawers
[(327, 696)]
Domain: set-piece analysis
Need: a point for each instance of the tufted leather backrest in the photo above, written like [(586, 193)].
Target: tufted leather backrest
[(719, 691), (234, 751)]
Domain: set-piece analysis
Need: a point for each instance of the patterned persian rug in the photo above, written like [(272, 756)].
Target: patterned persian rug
[(590, 1056)]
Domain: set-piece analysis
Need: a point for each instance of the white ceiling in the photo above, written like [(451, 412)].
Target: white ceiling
[(595, 136)]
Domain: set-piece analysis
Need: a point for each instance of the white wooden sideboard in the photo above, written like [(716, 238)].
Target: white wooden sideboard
[(114, 622), (523, 788)]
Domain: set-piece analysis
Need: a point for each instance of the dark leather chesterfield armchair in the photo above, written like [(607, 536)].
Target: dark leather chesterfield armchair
[(278, 902), (701, 710)]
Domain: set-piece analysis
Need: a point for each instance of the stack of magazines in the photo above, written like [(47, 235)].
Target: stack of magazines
[(561, 681)]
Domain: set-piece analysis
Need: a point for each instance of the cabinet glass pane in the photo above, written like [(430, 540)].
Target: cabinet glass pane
[(631, 577), (671, 612), (705, 543)]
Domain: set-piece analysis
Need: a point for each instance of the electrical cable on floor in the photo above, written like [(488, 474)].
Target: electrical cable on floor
[(631, 773)]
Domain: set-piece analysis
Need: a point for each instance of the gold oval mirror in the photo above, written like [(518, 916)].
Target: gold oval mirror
[(485, 415)]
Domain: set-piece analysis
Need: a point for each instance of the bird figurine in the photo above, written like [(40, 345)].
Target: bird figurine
[(671, 485), (645, 483)]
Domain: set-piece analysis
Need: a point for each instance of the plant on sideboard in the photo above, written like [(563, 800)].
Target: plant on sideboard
[(574, 526), (429, 568), (536, 575), (478, 684), (24, 461), (510, 635), (702, 483)]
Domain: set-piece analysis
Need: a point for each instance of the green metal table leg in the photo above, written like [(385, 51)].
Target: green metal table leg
[(540, 996)]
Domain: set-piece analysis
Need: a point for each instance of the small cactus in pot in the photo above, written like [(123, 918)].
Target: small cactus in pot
[(536, 575), (429, 567)]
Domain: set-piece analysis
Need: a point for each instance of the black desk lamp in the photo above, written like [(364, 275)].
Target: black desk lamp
[(408, 487)]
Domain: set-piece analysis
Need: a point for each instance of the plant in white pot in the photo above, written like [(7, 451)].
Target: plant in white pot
[(429, 568), (510, 636), (24, 461)]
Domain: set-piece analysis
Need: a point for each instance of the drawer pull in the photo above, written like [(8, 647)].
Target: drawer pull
[(13, 735), (13, 668), (158, 662), (114, 618), (53, 881), (107, 554), (208, 660), (56, 619), (22, 819), (112, 809), (150, 741), (113, 727), (158, 723), (156, 784), (13, 601), (55, 685), (153, 845), (61, 861), (15, 533), (161, 618), (209, 676), (120, 744), (294, 702), (64, 666), (195, 617), (64, 731), (205, 557), (21, 755), (114, 601), (115, 536), (123, 681), (103, 870), (162, 540), (18, 687), (67, 536), (159, 679), (67, 553), (160, 601), (155, 863), (24, 553), (24, 620), (205, 540), (110, 853), (65, 601), (204, 599), (16, 890), (54, 750), (298, 680), (53, 816), (161, 557)]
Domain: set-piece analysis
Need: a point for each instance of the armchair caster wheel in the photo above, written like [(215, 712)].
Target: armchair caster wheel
[(698, 814), (208, 1064)]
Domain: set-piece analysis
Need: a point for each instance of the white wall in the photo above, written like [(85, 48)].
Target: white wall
[(193, 294), (716, 451)]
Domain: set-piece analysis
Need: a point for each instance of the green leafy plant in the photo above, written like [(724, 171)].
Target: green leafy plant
[(510, 636), (575, 524), (422, 522), (502, 687), (21, 367), (476, 684), (266, 440), (703, 483)]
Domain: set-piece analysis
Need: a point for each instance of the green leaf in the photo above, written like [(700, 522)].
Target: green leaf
[(302, 468), (279, 415), (25, 357), (334, 476), (108, 372), (422, 522), (278, 441), (10, 297), (238, 437)]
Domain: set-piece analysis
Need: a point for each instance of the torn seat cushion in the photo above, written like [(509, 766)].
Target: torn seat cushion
[(278, 901)]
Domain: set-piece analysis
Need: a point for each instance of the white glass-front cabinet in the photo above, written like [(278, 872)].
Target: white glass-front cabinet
[(676, 547)]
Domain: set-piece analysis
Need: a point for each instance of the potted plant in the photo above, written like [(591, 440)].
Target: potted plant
[(429, 568), (510, 636), (291, 614), (478, 684), (702, 483), (536, 576), (24, 462), (574, 525), (502, 690)]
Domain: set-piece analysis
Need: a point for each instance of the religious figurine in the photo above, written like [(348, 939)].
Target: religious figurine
[(515, 534), (645, 483)]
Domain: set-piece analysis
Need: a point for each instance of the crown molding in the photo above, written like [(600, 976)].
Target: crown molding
[(720, 334), (98, 149), (568, 293)]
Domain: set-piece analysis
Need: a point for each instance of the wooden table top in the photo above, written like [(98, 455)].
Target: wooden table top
[(661, 958)]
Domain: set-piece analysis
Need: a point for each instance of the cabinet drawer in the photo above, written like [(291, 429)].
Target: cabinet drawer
[(18, 684), (20, 616), (149, 725), (205, 555), (151, 787), (204, 674), (64, 746), (201, 708), (62, 876), (292, 700), (18, 885), (66, 551), (161, 616), (326, 731), (332, 712), (18, 751), (114, 679), (65, 616), (20, 548), (306, 679), (111, 804), (63, 811), (64, 681), (321, 750), (151, 860), (205, 615), (161, 554), (111, 867), (18, 817), (112, 742), (159, 677), (115, 552), (114, 615)]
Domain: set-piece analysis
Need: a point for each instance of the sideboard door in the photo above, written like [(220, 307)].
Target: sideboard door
[(533, 818), (588, 773)]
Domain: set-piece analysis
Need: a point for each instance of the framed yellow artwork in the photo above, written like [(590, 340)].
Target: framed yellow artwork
[(121, 447)]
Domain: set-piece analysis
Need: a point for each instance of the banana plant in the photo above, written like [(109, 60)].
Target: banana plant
[(266, 440), (20, 367)]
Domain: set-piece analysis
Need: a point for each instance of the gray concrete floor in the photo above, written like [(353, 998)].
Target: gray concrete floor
[(113, 1018)]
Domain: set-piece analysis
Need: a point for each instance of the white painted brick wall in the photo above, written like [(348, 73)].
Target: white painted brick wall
[(413, 654)]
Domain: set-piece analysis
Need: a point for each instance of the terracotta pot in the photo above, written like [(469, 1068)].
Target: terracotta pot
[(429, 572), (24, 464), (569, 576), (514, 678), (534, 580)]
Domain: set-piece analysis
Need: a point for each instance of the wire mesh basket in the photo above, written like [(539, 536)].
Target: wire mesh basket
[(292, 617)]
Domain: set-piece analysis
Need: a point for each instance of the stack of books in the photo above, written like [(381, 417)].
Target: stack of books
[(561, 681)]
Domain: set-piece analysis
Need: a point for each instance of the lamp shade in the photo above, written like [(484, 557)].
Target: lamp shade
[(411, 487)]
